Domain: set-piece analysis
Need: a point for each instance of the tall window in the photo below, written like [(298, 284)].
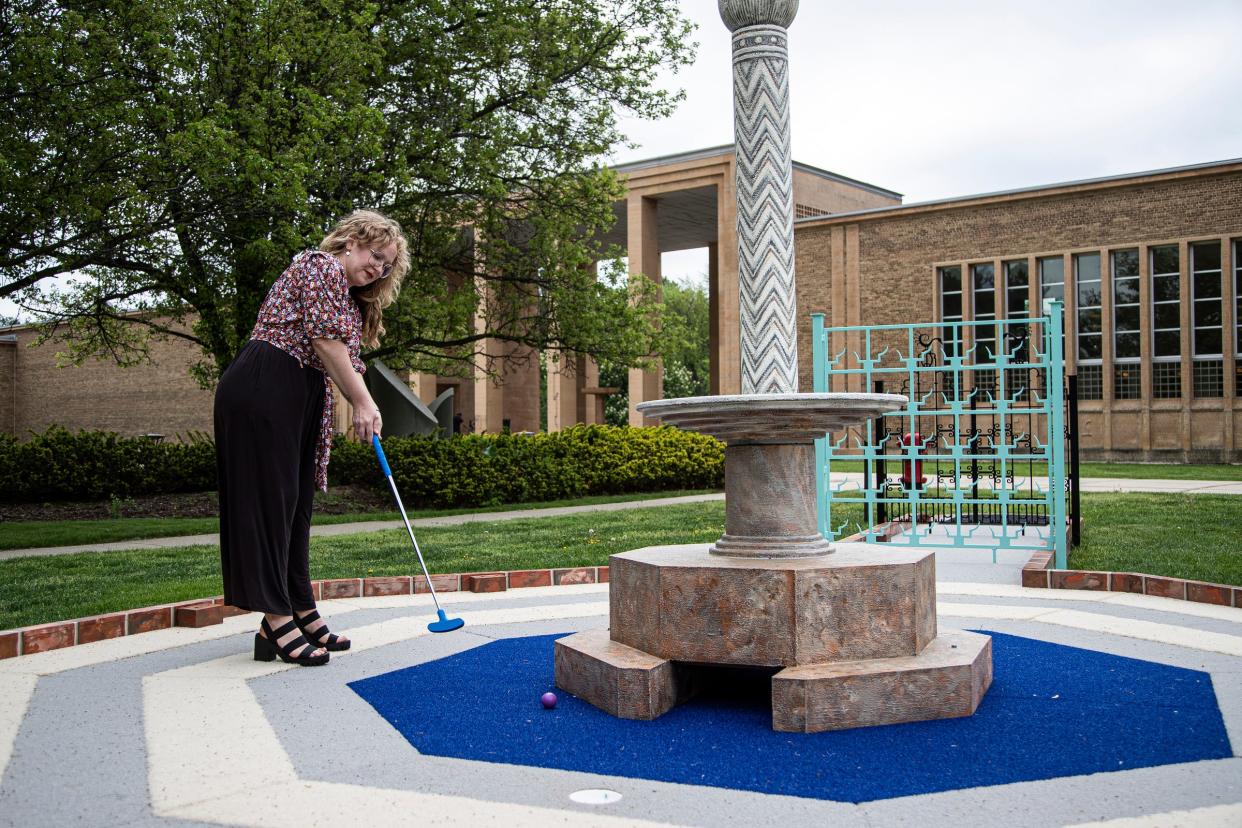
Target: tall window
[(983, 285), (1090, 345), (1166, 322), (1208, 339), (1237, 316), (1016, 345), (1126, 373), (1052, 286), (951, 307)]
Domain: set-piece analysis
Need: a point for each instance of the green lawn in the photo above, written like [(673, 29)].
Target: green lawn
[(38, 533), (1188, 536), (1179, 536), (34, 590)]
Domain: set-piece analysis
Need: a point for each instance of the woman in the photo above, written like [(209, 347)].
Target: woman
[(273, 421)]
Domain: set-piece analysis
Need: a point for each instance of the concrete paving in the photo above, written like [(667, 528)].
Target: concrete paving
[(181, 727), (848, 480)]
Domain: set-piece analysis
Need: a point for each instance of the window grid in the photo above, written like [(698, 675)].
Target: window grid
[(1237, 310), (1090, 382), (1051, 272), (1017, 293), (1206, 321), (1126, 371), (951, 305), (1166, 380), (1087, 272), (1166, 304), (983, 284), (1209, 377), (1126, 377)]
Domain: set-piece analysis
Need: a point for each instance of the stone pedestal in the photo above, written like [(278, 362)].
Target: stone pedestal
[(855, 632)]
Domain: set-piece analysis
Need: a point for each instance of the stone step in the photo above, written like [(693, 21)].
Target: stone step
[(946, 680)]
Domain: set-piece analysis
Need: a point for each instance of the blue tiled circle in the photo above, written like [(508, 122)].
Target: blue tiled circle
[(1052, 711)]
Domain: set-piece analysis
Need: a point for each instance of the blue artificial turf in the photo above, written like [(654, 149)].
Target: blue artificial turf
[(1052, 711)]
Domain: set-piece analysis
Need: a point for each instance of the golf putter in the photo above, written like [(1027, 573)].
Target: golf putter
[(443, 623)]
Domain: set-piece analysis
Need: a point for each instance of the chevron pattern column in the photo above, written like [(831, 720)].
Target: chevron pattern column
[(765, 208)]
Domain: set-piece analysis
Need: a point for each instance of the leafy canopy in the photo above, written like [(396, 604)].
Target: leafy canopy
[(161, 162)]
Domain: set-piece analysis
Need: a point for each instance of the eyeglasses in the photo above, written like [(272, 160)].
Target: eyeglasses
[(386, 267)]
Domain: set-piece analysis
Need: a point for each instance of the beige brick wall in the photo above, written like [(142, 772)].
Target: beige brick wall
[(835, 196), (881, 270), (157, 398)]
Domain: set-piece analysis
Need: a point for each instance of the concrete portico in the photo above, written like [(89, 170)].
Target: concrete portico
[(688, 202)]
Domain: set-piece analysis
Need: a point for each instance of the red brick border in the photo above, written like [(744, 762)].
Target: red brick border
[(1037, 573), (205, 612)]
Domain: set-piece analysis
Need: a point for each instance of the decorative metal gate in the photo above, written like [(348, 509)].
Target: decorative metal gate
[(977, 458)]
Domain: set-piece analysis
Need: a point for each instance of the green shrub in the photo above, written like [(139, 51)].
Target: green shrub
[(96, 465), (465, 470), (490, 469)]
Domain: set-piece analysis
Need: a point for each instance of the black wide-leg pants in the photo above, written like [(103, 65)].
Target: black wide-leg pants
[(267, 414)]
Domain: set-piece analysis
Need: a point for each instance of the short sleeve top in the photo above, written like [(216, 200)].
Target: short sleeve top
[(311, 300)]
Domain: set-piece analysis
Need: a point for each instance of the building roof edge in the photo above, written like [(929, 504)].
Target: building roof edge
[(1044, 189), (726, 149)]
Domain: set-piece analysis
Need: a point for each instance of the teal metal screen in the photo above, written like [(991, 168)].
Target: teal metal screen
[(976, 458)]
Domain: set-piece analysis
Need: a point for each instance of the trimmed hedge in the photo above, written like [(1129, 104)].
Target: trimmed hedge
[(490, 469), (466, 470), (94, 465)]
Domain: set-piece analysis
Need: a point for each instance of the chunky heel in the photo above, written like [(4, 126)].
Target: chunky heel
[(323, 637), (267, 646), (264, 650)]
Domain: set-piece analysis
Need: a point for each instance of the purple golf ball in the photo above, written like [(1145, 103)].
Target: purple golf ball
[(549, 700)]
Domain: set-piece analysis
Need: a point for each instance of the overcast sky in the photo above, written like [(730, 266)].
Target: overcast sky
[(954, 97)]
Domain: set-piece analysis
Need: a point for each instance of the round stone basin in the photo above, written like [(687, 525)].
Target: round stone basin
[(770, 502), (771, 418)]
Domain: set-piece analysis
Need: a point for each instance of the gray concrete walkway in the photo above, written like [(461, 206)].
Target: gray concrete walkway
[(132, 731), (1098, 484)]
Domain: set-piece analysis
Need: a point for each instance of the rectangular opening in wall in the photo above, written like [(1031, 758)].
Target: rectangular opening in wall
[(1052, 286), (1126, 381), (983, 282), (1206, 296), (1209, 378), (1166, 380), (1237, 317), (1090, 382), (1088, 325), (1237, 308), (951, 307), (1126, 371), (1166, 321)]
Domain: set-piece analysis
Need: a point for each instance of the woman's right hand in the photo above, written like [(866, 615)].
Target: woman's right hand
[(367, 421)]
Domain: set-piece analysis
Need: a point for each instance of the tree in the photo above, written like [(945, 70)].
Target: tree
[(683, 347), (173, 155)]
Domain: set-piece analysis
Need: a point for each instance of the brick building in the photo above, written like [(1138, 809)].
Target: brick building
[(1148, 264)]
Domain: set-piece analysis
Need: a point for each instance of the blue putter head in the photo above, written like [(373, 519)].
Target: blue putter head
[(445, 624)]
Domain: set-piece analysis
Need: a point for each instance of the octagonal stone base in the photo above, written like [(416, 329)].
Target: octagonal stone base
[(682, 603), (855, 632), (947, 680)]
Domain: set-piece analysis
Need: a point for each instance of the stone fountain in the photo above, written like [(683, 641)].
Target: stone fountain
[(849, 631)]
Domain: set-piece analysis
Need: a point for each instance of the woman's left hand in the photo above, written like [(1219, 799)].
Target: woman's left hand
[(367, 420)]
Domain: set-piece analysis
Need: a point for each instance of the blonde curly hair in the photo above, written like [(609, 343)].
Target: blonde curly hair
[(372, 229)]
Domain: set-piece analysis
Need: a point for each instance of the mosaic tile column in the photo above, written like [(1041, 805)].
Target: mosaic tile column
[(765, 208)]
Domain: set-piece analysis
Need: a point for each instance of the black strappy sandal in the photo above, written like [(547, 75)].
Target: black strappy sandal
[(328, 640), (266, 648)]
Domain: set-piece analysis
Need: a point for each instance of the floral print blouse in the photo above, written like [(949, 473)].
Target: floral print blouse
[(311, 300)]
